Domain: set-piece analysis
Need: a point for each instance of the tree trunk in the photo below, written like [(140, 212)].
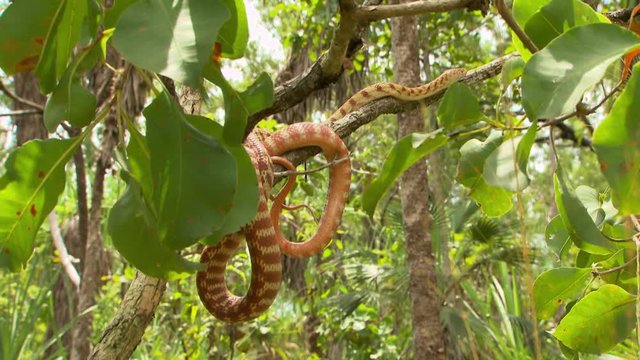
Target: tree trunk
[(28, 126), (428, 336)]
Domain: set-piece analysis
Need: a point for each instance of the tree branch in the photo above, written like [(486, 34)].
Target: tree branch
[(379, 12), (20, 100), (136, 311), (389, 105), (65, 258), (507, 16)]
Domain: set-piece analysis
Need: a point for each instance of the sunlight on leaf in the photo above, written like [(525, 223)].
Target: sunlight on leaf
[(556, 77), (29, 190), (493, 201), (506, 167), (598, 321)]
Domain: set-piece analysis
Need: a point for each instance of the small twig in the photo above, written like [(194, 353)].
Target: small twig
[(306, 172), (20, 113), (63, 254), (23, 101), (507, 16), (614, 269)]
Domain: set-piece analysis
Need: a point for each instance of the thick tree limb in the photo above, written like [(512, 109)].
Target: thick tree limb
[(378, 12), (329, 66), (123, 334)]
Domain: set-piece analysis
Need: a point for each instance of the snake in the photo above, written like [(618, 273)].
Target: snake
[(263, 235)]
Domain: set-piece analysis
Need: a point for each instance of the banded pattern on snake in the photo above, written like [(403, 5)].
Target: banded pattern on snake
[(263, 235)]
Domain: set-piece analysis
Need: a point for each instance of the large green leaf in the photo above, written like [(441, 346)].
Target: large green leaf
[(234, 34), (174, 38), (581, 228), (616, 144), (23, 28), (406, 152), (193, 174), (239, 105), (245, 202), (493, 201), (556, 287), (557, 236), (557, 17), (70, 101), (598, 321), (556, 77), (75, 24), (134, 232), (459, 107), (29, 190), (506, 167)]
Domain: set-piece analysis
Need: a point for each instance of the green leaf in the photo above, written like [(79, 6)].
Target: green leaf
[(139, 162), (459, 107), (523, 10), (598, 321), (556, 287), (506, 167), (134, 232), (511, 70), (75, 22), (582, 229), (616, 144), (193, 174), (556, 77), (112, 15), (29, 190), (557, 236), (172, 38), (70, 101), (494, 201), (239, 105), (245, 202), (234, 34), (23, 27), (557, 17), (406, 152)]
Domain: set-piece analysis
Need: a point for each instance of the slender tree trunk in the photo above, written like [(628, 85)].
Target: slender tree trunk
[(28, 126), (428, 336)]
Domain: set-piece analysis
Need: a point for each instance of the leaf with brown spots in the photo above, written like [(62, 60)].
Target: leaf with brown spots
[(598, 321), (29, 190), (615, 143), (23, 26), (557, 286)]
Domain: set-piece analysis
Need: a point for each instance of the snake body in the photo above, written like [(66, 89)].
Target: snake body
[(263, 235), (266, 265), (380, 90)]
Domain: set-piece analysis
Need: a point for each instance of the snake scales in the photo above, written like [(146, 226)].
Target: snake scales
[(263, 235)]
